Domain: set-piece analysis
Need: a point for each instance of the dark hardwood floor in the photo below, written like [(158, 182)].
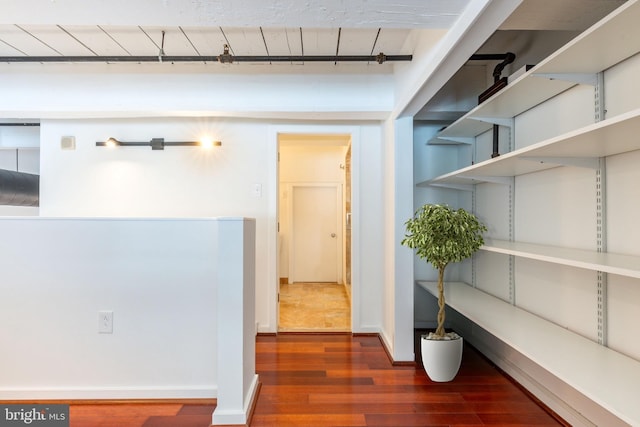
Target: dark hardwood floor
[(147, 414), (338, 380)]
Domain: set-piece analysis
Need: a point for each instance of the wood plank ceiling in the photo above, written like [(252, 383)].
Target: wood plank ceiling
[(104, 40), (62, 28)]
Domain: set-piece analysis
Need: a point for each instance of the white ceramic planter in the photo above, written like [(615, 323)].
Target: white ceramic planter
[(441, 358)]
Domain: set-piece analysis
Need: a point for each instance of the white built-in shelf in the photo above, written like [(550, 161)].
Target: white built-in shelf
[(608, 42), (605, 376), (518, 96), (624, 265), (579, 147)]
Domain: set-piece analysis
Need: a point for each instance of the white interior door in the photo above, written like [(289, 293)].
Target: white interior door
[(316, 234)]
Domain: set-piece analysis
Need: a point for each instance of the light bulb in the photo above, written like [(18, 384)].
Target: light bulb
[(208, 143)]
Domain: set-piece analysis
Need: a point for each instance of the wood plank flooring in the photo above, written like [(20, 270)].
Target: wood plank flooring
[(339, 380), (146, 414)]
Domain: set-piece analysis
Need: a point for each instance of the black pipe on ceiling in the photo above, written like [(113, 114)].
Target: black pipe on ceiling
[(19, 188), (490, 56), (224, 58), (499, 82)]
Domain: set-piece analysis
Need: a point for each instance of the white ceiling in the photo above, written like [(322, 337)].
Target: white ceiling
[(103, 40), (236, 13), (203, 27), (59, 28)]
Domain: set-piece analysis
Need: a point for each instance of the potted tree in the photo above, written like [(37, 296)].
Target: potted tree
[(442, 235)]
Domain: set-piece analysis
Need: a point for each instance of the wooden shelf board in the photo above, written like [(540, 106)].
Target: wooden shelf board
[(624, 265), (605, 376)]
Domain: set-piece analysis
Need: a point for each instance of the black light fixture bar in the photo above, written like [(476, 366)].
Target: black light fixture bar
[(155, 143)]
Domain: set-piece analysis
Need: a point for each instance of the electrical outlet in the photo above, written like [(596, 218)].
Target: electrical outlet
[(105, 322)]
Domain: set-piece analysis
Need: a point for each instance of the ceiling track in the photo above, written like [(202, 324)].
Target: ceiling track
[(224, 58)]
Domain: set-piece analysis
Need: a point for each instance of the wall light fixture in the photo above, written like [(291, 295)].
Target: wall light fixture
[(158, 143)]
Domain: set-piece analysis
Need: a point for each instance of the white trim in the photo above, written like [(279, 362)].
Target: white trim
[(108, 393), (238, 417), (356, 221), (273, 280)]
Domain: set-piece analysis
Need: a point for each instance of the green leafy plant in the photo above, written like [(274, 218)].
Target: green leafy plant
[(442, 235)]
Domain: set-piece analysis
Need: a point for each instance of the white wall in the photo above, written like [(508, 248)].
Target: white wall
[(149, 90), (189, 182), (368, 223), (177, 182), (399, 276), (136, 181), (157, 276)]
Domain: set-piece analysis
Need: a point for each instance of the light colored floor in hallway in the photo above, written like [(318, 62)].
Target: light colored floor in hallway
[(314, 307)]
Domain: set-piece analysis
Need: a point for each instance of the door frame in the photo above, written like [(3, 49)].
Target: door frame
[(339, 226), (273, 279)]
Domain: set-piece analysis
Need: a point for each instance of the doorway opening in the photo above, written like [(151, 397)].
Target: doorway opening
[(314, 238)]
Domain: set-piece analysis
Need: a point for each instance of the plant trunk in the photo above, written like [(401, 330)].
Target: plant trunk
[(440, 330)]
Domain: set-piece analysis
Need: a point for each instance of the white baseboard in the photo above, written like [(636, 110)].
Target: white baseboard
[(231, 417), (108, 393), (367, 330)]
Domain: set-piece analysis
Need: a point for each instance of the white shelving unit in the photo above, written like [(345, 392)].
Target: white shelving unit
[(608, 378), (601, 374), (580, 147)]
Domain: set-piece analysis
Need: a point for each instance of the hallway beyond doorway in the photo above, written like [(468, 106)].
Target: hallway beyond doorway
[(314, 307)]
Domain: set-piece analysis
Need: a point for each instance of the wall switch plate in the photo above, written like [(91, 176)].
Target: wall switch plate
[(257, 190), (105, 322)]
